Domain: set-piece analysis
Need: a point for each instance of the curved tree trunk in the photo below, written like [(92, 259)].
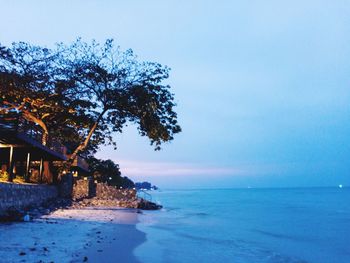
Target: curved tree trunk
[(45, 136), (85, 143)]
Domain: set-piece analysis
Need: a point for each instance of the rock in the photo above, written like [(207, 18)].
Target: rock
[(26, 218), (147, 205)]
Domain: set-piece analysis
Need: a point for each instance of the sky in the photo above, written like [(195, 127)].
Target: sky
[(262, 87)]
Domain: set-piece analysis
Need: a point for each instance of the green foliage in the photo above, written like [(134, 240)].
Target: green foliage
[(106, 171), (123, 88), (30, 84), (82, 93)]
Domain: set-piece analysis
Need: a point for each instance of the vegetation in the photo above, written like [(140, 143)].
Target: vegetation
[(80, 94), (106, 171), (145, 185), (85, 92)]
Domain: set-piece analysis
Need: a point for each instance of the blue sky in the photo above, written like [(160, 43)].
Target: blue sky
[(263, 87)]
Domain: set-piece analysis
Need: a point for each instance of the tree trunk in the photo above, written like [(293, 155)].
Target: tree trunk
[(45, 136), (48, 176), (85, 143)]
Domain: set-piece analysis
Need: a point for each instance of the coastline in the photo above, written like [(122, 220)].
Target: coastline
[(91, 234)]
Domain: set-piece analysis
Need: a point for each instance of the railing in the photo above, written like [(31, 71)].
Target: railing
[(144, 195), (14, 122)]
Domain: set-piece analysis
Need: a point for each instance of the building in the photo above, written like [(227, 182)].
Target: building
[(23, 156)]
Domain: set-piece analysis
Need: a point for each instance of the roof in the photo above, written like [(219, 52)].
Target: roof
[(25, 144)]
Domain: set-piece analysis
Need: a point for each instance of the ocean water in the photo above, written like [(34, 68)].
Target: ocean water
[(248, 225)]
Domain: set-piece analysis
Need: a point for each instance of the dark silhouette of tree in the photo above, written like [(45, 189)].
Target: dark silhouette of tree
[(31, 84), (122, 89), (26, 84), (106, 171), (83, 93)]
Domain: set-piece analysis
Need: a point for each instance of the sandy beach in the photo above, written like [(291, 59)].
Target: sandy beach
[(73, 235)]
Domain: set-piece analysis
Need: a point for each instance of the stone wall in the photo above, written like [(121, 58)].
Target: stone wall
[(83, 188), (86, 188), (105, 192), (65, 187), (21, 196)]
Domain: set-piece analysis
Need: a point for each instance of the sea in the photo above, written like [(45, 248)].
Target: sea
[(282, 225)]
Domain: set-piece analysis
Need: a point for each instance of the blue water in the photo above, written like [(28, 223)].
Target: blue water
[(248, 225)]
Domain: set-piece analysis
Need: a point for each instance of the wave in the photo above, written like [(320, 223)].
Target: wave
[(283, 236)]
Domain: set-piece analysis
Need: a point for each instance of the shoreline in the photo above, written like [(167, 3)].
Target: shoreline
[(91, 234)]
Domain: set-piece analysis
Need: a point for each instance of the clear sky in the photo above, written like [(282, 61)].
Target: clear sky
[(263, 87)]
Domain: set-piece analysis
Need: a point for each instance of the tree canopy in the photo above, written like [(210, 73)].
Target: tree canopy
[(106, 171), (122, 89), (82, 93)]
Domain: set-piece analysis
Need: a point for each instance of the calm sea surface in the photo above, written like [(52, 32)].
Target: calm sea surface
[(248, 225)]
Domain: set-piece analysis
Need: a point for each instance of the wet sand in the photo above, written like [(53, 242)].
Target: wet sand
[(73, 235)]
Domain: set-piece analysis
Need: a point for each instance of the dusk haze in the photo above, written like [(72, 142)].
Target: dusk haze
[(262, 87), (229, 119)]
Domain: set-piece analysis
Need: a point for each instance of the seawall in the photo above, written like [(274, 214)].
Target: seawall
[(21, 196)]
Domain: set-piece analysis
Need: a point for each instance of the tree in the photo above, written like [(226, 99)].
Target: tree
[(26, 83), (30, 84), (83, 93), (122, 89), (106, 171)]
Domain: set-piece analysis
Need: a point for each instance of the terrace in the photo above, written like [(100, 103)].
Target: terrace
[(24, 158)]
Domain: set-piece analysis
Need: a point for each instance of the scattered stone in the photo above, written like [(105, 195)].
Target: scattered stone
[(104, 196)]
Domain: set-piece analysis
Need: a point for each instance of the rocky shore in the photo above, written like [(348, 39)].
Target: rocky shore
[(21, 202), (29, 213)]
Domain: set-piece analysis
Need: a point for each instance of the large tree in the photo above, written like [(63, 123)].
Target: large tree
[(122, 90), (84, 92), (31, 85), (25, 83)]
